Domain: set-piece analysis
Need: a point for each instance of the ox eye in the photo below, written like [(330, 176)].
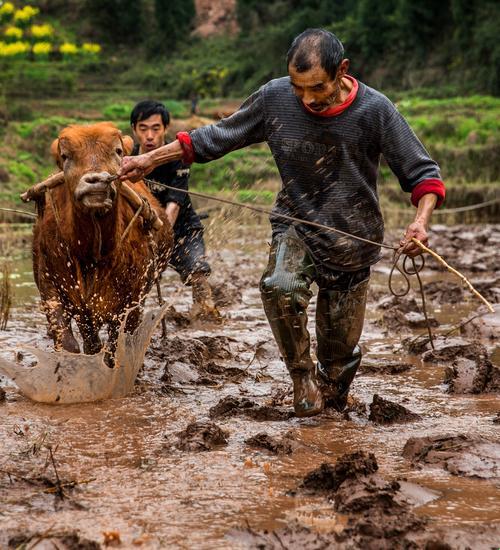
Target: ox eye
[(119, 151), (64, 157)]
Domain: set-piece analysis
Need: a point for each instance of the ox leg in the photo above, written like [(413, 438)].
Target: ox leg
[(60, 326), (90, 335)]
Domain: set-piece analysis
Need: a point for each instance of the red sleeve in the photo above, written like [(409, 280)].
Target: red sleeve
[(431, 185), (187, 147)]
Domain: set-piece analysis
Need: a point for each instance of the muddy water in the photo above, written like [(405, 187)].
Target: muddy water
[(133, 480)]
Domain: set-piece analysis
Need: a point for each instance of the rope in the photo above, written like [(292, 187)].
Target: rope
[(451, 210), (262, 210), (24, 212)]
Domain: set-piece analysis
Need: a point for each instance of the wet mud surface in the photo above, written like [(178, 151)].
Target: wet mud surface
[(207, 453)]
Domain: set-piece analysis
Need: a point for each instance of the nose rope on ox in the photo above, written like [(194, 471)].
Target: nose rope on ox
[(398, 251)]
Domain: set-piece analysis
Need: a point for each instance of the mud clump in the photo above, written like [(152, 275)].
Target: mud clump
[(201, 436), (329, 477), (384, 367), (233, 406), (452, 348), (67, 541), (496, 420), (2, 394), (376, 511), (460, 455), (283, 446), (383, 411), (475, 375), (444, 292)]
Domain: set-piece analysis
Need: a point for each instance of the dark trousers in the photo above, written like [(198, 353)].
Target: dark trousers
[(285, 292)]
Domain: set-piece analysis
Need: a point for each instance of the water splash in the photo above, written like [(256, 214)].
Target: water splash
[(64, 377)]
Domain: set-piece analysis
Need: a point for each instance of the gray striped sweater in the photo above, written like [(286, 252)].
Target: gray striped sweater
[(328, 165)]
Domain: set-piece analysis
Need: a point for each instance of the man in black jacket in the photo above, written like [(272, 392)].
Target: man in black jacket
[(149, 121)]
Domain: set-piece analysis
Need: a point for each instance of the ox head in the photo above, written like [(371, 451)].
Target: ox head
[(90, 156)]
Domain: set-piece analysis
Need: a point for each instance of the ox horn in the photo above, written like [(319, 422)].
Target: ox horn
[(39, 189)]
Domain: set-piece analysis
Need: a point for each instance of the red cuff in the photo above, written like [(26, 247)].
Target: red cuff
[(432, 185), (187, 147)]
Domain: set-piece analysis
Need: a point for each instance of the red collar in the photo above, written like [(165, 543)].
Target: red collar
[(337, 109)]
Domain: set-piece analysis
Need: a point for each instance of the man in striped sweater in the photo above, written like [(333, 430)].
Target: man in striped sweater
[(326, 131)]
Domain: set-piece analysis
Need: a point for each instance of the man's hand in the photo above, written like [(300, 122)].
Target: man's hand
[(418, 231), (135, 168)]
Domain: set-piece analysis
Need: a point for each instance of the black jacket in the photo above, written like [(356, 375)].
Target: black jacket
[(175, 174)]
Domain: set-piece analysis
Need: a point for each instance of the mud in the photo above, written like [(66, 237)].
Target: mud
[(201, 436), (235, 406), (369, 511), (62, 541), (472, 376), (275, 445), (151, 470), (460, 455), (384, 367), (383, 411)]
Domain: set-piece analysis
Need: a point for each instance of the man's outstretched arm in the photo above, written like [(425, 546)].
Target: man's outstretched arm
[(139, 166)]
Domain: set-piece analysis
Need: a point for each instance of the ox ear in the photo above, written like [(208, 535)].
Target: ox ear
[(128, 144), (54, 151)]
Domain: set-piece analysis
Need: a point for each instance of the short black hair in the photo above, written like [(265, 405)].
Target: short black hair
[(147, 108), (315, 44)]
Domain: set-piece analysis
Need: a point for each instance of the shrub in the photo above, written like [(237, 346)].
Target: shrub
[(13, 33), (42, 49), (42, 32), (14, 49), (21, 172), (23, 16)]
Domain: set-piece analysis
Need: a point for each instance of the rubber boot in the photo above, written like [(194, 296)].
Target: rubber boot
[(338, 380), (339, 323), (203, 304), (285, 295)]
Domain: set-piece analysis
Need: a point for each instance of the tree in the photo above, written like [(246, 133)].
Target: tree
[(174, 19), (117, 21)]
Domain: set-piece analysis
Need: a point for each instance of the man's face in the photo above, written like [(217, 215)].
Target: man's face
[(316, 89), (150, 133)]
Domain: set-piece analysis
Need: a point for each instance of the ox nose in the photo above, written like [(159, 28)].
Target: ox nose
[(96, 177)]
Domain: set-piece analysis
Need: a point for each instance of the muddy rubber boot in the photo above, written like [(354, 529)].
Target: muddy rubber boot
[(285, 295), (203, 305), (339, 322), (338, 380)]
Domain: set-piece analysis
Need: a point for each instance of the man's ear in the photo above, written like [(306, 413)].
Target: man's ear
[(54, 151), (343, 67), (128, 144)]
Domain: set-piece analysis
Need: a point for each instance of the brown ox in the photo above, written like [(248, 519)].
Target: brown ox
[(91, 261)]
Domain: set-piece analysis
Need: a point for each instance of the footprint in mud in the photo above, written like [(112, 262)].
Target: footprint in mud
[(460, 455), (386, 412), (278, 446), (201, 436), (231, 406)]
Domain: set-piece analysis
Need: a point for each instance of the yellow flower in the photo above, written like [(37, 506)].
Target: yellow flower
[(68, 49), (41, 31), (7, 8), (13, 32), (42, 48), (14, 48), (89, 47), (25, 14)]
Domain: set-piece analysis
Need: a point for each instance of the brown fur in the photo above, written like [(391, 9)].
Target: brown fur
[(82, 270)]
